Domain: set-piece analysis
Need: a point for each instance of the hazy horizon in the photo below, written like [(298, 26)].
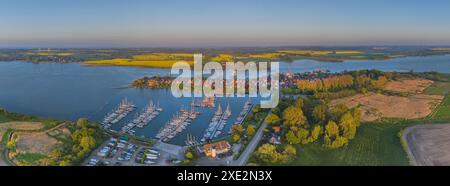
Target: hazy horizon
[(203, 24)]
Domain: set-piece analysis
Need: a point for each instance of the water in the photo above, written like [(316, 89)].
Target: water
[(416, 64), (71, 91)]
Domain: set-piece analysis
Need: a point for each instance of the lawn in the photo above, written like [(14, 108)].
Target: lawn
[(30, 158)]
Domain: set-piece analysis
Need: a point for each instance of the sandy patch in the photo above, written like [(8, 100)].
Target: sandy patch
[(375, 106), (35, 143), (408, 85)]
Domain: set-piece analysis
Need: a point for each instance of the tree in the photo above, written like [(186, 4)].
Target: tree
[(82, 122), (87, 142), (292, 138), (11, 145), (251, 130), (332, 129), (348, 126), (338, 111), (272, 119), (189, 155), (236, 137), (268, 153), (237, 129), (339, 142), (315, 133), (302, 135), (290, 150), (320, 113), (65, 163), (299, 103), (276, 111), (293, 116)]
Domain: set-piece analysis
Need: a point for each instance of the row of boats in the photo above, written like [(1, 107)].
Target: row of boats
[(240, 119), (150, 112), (243, 114), (123, 109), (217, 123), (177, 124)]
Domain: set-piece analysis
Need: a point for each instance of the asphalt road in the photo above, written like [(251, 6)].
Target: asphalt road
[(242, 160)]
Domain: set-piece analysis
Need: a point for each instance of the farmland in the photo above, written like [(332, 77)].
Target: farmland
[(376, 144), (154, 60), (165, 57)]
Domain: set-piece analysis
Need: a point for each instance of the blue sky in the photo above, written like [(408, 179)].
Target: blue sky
[(183, 23)]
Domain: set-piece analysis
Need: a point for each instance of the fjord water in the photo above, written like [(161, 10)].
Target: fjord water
[(71, 91)]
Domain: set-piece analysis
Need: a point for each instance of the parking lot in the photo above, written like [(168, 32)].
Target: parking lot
[(124, 152)]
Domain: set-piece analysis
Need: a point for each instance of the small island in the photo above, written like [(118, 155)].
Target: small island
[(154, 82)]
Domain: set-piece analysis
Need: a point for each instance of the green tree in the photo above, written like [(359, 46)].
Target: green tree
[(338, 111), (320, 113), (251, 130), (189, 155), (268, 153), (332, 129), (11, 145), (294, 116), (273, 119), (65, 163), (236, 137), (237, 129), (290, 150), (292, 138), (348, 126), (82, 122), (315, 133), (299, 103), (303, 135)]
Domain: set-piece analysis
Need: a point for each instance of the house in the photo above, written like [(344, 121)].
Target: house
[(215, 149), (276, 129), (275, 139)]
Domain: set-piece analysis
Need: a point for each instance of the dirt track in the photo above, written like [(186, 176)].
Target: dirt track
[(428, 145)]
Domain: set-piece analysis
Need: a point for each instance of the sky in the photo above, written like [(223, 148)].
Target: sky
[(203, 23)]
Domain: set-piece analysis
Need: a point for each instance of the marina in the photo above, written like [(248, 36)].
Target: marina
[(123, 109), (217, 124), (245, 110), (148, 114), (177, 124)]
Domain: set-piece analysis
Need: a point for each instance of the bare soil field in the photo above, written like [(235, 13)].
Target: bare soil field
[(20, 126), (35, 143), (375, 106), (428, 145), (408, 85)]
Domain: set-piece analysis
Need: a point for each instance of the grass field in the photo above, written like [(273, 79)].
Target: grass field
[(30, 158), (438, 88), (376, 144), (443, 110)]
